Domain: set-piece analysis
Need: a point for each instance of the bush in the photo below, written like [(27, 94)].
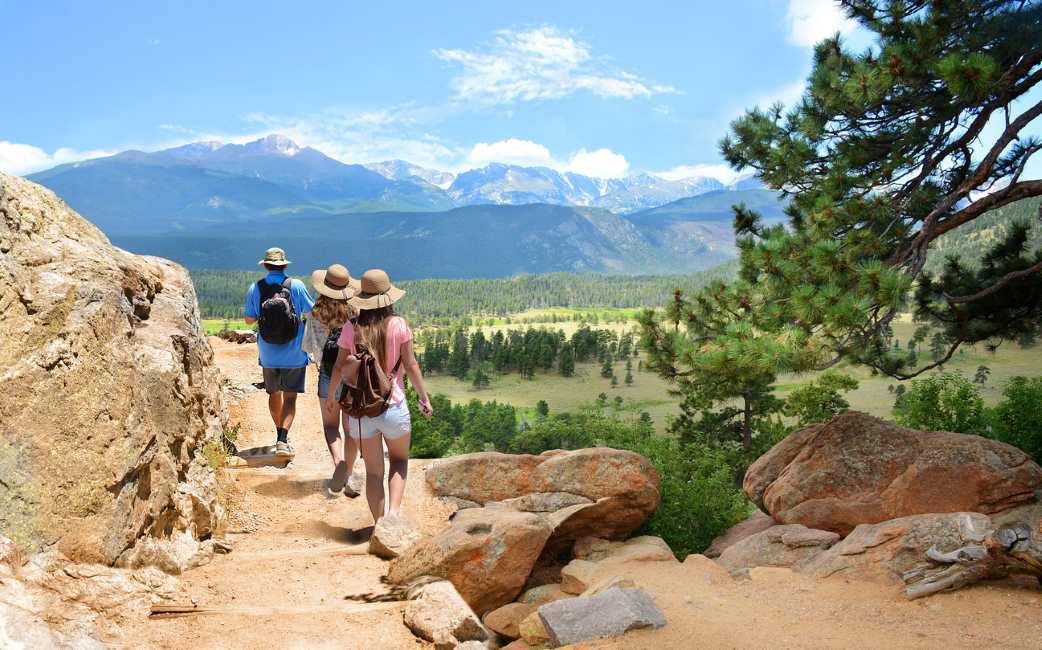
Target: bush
[(943, 402), (819, 400), (1017, 419)]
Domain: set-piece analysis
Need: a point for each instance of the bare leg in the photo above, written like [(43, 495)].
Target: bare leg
[(289, 409), (275, 408), (373, 455), (350, 445), (398, 452), (331, 429)]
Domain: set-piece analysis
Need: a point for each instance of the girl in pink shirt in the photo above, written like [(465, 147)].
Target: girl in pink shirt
[(389, 338)]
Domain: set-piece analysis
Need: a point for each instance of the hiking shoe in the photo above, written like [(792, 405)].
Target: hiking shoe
[(283, 449)]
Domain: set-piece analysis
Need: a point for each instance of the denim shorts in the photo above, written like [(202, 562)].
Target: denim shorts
[(323, 386), (393, 423)]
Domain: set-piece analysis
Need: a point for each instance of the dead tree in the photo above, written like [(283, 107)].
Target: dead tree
[(1007, 551)]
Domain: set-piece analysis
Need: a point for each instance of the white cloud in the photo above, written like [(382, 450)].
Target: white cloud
[(602, 163), (21, 159), (788, 95), (539, 64), (720, 172), (512, 152), (810, 21)]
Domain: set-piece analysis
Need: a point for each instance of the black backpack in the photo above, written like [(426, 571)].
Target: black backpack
[(278, 323), (330, 350)]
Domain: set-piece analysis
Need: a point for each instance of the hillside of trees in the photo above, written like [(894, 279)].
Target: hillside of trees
[(222, 294)]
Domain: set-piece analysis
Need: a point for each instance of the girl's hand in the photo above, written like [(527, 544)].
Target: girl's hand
[(426, 408)]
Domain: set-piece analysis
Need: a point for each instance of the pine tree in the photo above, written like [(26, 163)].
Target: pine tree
[(481, 380), (982, 374), (614, 381), (887, 152), (459, 359), (542, 409), (566, 364), (629, 373), (607, 369)]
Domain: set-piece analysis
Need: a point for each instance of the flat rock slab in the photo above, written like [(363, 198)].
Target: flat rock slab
[(610, 613)]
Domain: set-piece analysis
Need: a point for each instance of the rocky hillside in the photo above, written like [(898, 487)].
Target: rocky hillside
[(110, 394)]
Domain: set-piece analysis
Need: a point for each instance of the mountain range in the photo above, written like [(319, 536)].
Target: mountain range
[(215, 205), (211, 182)]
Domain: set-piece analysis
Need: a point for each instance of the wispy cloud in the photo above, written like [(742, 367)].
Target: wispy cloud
[(811, 21), (539, 64), (21, 159), (722, 173)]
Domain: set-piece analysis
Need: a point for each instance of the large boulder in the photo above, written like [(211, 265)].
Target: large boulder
[(857, 469), (486, 553), (109, 393), (600, 492), (786, 545)]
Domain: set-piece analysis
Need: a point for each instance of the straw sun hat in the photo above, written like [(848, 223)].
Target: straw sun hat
[(274, 256), (335, 282), (376, 291)]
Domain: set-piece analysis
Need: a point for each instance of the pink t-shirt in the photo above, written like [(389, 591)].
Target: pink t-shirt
[(397, 334)]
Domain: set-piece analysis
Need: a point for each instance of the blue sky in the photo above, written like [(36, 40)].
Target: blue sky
[(605, 88)]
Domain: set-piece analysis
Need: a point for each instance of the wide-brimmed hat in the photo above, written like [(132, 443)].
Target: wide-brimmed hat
[(335, 282), (274, 256), (376, 291)]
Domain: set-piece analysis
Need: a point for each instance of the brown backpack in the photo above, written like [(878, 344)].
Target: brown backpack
[(367, 388)]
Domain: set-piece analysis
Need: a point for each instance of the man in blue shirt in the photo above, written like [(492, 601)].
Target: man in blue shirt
[(285, 365)]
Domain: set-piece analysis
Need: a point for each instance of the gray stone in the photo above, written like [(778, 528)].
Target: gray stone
[(610, 613)]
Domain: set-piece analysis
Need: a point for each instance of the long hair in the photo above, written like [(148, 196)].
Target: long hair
[(331, 312), (371, 331)]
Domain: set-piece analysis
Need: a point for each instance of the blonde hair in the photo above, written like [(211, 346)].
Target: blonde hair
[(331, 312)]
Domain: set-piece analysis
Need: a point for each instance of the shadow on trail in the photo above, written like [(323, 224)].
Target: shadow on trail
[(287, 488), (352, 536), (394, 593)]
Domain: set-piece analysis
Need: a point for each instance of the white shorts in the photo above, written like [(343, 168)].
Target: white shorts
[(393, 423)]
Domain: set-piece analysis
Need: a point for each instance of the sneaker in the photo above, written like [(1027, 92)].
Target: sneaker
[(283, 449)]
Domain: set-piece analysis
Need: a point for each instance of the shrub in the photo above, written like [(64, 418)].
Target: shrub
[(943, 402), (1017, 419), (820, 400)]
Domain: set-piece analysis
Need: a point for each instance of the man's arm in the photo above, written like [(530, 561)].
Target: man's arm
[(252, 305)]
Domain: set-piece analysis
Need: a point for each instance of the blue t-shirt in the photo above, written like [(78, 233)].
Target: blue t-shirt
[(287, 355)]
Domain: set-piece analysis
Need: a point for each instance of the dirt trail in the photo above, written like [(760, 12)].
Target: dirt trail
[(297, 554)]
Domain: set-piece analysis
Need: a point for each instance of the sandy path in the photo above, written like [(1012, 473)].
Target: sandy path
[(298, 554)]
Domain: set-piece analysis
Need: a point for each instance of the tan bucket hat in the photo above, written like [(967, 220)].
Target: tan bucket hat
[(274, 256), (376, 291), (335, 282)]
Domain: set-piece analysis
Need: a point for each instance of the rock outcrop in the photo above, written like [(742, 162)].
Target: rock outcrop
[(857, 469), (599, 492), (885, 551), (110, 394), (757, 522), (786, 545)]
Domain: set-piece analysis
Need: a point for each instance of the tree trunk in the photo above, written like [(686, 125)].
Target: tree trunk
[(747, 425)]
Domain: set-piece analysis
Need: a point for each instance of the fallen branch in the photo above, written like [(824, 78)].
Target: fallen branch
[(1007, 551)]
